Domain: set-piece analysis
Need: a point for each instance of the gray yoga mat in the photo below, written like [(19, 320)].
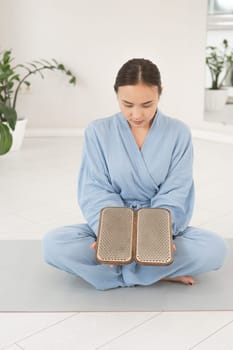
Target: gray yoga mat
[(29, 285)]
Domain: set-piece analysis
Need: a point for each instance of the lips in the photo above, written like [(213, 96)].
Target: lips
[(137, 121)]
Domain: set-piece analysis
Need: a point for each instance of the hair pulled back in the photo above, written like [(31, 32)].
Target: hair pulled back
[(138, 70)]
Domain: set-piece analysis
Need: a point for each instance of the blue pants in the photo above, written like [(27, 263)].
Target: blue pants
[(69, 248)]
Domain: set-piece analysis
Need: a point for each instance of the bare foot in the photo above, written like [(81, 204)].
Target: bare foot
[(182, 279)]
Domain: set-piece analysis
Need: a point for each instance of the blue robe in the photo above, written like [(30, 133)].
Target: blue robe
[(115, 172)]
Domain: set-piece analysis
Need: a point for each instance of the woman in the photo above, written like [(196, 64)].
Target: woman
[(136, 158)]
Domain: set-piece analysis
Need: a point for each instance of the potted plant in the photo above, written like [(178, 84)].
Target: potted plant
[(220, 62), (12, 77)]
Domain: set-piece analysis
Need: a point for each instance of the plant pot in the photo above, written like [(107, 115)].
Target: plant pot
[(215, 100), (18, 134)]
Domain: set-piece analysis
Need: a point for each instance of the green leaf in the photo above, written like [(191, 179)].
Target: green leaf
[(38, 62), (72, 81), (9, 115), (61, 66), (33, 65), (6, 139), (47, 62), (55, 61), (27, 83), (27, 68), (6, 56), (15, 77)]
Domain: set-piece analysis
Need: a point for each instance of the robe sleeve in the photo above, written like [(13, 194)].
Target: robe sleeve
[(176, 193), (95, 190)]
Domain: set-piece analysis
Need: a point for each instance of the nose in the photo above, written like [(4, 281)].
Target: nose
[(136, 114)]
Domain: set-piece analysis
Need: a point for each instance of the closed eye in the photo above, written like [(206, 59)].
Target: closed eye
[(147, 106), (143, 106)]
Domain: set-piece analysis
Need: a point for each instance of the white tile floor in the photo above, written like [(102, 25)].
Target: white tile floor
[(38, 192)]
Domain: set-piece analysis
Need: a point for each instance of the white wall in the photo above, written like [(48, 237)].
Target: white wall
[(94, 38)]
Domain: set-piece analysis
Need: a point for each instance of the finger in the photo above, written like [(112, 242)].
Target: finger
[(93, 245), (174, 247)]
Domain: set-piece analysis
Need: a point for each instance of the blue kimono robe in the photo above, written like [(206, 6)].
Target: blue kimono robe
[(115, 172)]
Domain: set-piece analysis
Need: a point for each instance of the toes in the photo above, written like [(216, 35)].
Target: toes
[(189, 280)]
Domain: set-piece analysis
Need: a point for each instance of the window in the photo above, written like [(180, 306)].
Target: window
[(220, 14), (220, 7)]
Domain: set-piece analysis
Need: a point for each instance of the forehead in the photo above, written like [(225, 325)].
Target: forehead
[(139, 93)]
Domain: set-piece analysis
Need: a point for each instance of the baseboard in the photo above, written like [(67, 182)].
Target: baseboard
[(61, 132)]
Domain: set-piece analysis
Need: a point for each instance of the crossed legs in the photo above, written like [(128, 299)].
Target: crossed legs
[(69, 248)]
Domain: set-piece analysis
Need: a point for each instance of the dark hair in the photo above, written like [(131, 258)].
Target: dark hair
[(138, 70)]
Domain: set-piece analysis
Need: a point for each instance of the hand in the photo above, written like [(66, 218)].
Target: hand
[(93, 246), (174, 247)]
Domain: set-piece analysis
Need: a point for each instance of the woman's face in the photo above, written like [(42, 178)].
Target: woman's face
[(138, 103)]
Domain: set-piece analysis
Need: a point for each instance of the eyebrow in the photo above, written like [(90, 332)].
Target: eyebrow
[(144, 103)]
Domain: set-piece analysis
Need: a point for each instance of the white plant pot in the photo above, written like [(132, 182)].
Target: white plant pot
[(18, 134), (215, 100)]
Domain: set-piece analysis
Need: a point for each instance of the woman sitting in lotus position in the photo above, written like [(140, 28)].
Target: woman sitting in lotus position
[(137, 158)]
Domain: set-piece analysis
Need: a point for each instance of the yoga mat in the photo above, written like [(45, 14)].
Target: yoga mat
[(28, 284)]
